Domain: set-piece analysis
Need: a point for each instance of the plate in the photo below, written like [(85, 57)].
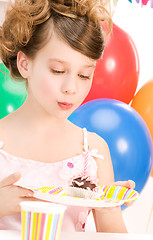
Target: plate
[(112, 196)]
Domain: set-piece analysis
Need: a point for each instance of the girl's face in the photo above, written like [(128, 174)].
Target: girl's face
[(59, 78)]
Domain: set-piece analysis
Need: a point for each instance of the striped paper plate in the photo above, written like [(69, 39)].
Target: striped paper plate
[(112, 196)]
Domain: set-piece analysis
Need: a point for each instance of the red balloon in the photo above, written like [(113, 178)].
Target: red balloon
[(116, 74)]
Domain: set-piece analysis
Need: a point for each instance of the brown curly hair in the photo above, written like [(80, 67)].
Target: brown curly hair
[(27, 27)]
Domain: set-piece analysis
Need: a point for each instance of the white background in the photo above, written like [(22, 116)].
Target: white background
[(138, 23)]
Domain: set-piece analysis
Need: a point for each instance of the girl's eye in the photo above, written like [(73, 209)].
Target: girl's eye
[(57, 71), (84, 77)]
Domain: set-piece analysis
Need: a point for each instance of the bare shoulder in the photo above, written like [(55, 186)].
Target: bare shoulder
[(95, 141), (105, 168)]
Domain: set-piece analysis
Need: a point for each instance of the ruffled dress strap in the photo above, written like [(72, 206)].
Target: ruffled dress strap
[(93, 152)]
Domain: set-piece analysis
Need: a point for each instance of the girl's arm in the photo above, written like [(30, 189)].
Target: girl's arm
[(106, 219)]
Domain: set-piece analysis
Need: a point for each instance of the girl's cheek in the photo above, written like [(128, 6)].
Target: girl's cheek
[(46, 86)]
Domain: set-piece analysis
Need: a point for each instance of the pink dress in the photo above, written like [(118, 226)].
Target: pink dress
[(51, 174)]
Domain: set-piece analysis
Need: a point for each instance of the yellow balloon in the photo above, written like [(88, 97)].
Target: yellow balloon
[(143, 104)]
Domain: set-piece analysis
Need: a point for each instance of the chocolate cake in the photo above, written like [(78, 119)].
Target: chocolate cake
[(82, 183), (83, 187)]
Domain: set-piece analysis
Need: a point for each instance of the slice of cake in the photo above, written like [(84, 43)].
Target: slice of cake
[(83, 187), (83, 183)]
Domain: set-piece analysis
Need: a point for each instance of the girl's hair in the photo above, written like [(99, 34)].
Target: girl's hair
[(27, 27)]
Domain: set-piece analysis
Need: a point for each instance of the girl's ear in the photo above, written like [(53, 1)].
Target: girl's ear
[(22, 64)]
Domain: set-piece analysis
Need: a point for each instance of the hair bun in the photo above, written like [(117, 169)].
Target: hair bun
[(97, 10)]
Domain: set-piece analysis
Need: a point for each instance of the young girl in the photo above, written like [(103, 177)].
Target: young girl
[(54, 46)]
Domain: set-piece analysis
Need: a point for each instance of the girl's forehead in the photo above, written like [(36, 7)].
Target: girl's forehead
[(56, 49)]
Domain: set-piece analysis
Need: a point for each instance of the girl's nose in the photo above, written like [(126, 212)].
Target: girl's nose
[(69, 85)]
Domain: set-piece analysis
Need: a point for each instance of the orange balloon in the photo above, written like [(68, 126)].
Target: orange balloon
[(143, 104)]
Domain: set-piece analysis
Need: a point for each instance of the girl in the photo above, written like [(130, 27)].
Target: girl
[(54, 46)]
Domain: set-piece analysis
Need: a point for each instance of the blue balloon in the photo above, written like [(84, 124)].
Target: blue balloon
[(126, 134)]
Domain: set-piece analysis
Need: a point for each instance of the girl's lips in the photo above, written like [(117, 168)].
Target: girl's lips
[(65, 106)]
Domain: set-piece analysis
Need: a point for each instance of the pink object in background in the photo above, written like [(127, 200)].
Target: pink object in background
[(144, 2)]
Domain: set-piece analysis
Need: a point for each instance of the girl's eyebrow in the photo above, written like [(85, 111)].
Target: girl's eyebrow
[(56, 60), (66, 63)]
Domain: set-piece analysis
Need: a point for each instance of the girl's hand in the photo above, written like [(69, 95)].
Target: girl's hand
[(11, 195), (128, 184)]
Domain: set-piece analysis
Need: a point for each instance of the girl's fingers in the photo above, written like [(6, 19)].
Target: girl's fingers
[(10, 180), (24, 192), (128, 184), (119, 183), (32, 199), (128, 204)]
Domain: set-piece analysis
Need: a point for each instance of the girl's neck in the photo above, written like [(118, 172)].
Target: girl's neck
[(37, 119)]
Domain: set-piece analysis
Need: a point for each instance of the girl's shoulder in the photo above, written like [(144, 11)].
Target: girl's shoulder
[(105, 168), (96, 141), (93, 140)]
